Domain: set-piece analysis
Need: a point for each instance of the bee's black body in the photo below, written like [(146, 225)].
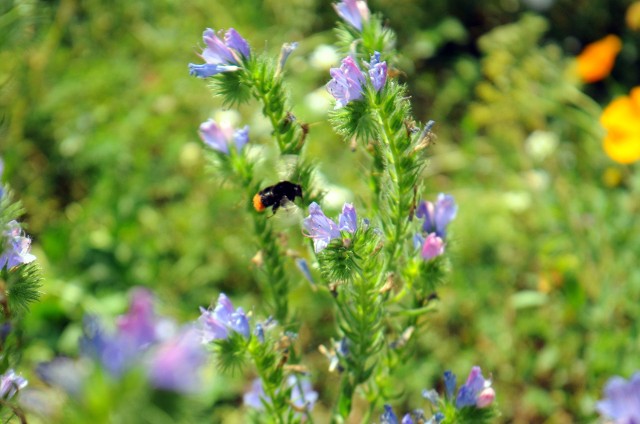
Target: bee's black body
[(276, 195)]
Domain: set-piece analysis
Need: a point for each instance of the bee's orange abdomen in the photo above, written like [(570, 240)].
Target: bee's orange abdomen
[(257, 203)]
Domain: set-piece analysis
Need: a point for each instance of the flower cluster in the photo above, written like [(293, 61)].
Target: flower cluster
[(221, 56), (621, 120), (347, 82), (622, 400), (303, 397), (16, 249), (437, 217), (217, 323), (476, 392), (417, 416), (10, 384), (354, 12), (220, 136), (172, 356), (322, 229)]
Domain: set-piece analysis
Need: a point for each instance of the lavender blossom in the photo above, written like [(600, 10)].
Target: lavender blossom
[(476, 391), (320, 228), (16, 249), (377, 71), (302, 394), (437, 216), (388, 417), (346, 82), (136, 332), (354, 12), (622, 400), (217, 323), (10, 384), (449, 383), (176, 364), (285, 52), (303, 266), (348, 221), (219, 137), (220, 56), (432, 247)]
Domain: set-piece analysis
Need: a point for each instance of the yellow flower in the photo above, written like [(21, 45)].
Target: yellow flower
[(621, 120), (633, 16), (596, 60)]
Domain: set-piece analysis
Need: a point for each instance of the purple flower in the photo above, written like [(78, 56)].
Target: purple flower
[(136, 331), (476, 391), (10, 384), (354, 12), (16, 247), (622, 400), (216, 324), (176, 364), (285, 52), (407, 419), (432, 247), (320, 228), (220, 56), (255, 396), (219, 137), (303, 266), (302, 394), (377, 71), (437, 216), (388, 416), (139, 323), (346, 82), (449, 383), (348, 221)]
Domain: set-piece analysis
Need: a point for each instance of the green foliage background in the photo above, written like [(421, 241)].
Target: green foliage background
[(99, 136)]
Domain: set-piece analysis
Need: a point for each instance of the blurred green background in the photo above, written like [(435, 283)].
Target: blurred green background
[(99, 137)]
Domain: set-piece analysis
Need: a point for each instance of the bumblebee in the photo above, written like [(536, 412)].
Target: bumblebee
[(276, 195)]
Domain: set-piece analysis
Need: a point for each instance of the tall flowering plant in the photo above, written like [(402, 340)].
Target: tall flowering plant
[(380, 261)]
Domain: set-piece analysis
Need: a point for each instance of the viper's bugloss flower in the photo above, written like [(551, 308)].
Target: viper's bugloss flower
[(621, 120), (354, 12), (303, 266), (10, 384), (437, 216), (220, 56), (219, 137), (450, 383), (622, 400), (302, 394), (16, 247), (377, 71), (176, 364), (348, 220), (597, 59), (346, 82), (476, 392), (217, 323), (388, 416), (432, 247), (285, 52), (136, 331), (320, 228)]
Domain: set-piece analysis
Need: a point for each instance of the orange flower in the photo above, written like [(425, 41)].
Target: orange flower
[(621, 120), (596, 60)]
